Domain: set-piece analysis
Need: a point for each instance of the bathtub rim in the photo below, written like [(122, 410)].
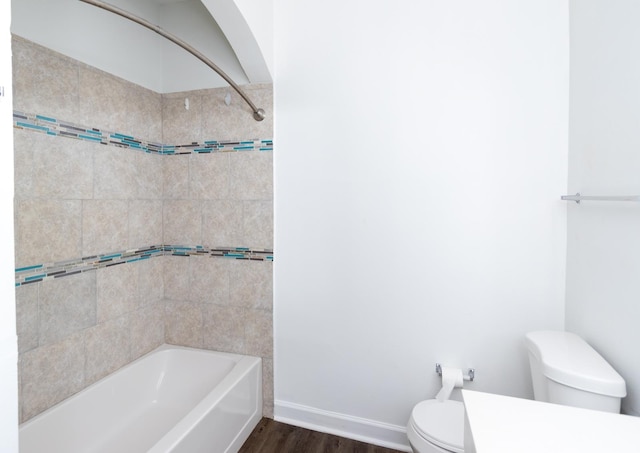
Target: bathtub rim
[(180, 430), (170, 439)]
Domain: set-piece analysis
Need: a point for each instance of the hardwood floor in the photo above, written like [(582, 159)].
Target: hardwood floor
[(275, 437)]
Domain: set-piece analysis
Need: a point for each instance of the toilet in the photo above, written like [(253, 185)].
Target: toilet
[(564, 370), (437, 427)]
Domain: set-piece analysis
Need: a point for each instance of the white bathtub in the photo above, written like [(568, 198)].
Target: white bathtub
[(173, 399)]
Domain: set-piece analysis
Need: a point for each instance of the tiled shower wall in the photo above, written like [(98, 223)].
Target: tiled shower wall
[(75, 198)]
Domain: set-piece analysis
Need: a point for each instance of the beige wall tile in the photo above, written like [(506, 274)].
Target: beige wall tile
[(117, 291), (176, 277), (148, 172), (67, 305), (44, 81), (235, 121), (209, 176), (224, 328), (182, 222), (183, 323), (145, 223), (24, 142), (257, 224), (62, 168), (175, 173), (52, 167), (179, 125), (150, 281), (267, 387), (267, 378), (259, 333), (116, 173), (147, 329), (145, 114), (27, 318), (50, 374), (222, 224), (108, 347), (124, 107), (105, 226), (47, 230), (251, 284), (209, 280), (267, 408), (251, 176)]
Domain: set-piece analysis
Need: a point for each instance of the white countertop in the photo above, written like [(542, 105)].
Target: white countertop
[(502, 424)]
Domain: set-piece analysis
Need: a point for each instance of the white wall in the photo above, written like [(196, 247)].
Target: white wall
[(421, 150), (603, 287), (8, 340)]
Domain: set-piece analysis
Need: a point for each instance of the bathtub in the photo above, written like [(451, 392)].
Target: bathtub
[(174, 399)]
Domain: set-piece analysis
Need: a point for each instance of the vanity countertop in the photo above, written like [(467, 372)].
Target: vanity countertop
[(502, 424)]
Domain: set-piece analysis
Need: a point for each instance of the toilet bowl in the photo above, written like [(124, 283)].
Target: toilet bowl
[(437, 427)]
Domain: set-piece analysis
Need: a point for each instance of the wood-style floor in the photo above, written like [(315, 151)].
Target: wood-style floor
[(275, 437)]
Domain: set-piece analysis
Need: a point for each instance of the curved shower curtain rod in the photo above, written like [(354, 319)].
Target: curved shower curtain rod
[(258, 114)]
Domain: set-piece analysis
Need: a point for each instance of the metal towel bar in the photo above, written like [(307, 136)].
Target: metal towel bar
[(578, 198)]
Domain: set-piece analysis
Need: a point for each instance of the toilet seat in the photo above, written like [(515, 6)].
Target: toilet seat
[(440, 423)]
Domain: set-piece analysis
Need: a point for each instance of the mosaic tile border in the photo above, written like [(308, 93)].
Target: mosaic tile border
[(49, 271), (52, 126)]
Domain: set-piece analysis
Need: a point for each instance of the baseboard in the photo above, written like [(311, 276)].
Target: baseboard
[(362, 429)]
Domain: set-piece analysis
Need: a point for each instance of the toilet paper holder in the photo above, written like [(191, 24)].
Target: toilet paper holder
[(470, 376)]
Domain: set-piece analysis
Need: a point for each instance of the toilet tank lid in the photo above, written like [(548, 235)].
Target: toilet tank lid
[(568, 359)]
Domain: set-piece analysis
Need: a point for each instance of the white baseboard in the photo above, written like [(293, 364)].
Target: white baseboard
[(362, 429)]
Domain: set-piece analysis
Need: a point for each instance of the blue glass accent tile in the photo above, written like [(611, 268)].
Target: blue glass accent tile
[(32, 126), (28, 268), (46, 118), (121, 136), (89, 137), (115, 255)]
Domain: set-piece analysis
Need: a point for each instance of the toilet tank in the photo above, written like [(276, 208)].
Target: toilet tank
[(566, 370)]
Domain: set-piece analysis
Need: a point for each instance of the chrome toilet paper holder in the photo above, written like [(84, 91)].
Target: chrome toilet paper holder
[(470, 376)]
